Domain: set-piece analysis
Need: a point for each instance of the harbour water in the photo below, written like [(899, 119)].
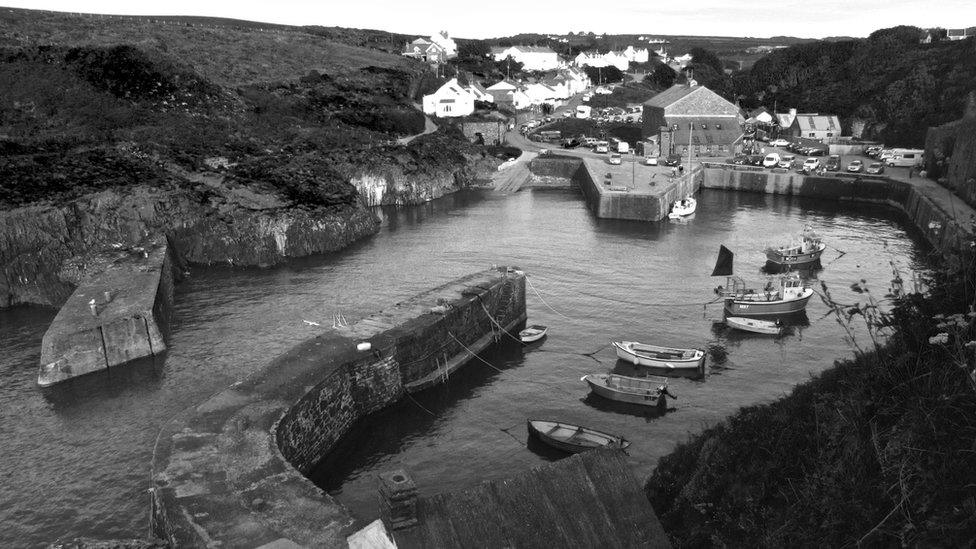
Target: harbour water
[(75, 458)]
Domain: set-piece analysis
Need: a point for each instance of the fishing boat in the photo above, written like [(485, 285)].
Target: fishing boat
[(755, 325), (790, 297), (642, 354), (683, 208), (533, 333), (574, 438), (805, 252), (646, 391)]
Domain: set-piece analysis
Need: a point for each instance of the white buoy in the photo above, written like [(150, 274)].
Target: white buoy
[(364, 346)]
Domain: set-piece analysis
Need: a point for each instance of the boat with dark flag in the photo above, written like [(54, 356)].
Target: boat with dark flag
[(790, 296)]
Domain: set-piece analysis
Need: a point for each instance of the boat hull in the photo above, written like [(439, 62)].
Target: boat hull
[(651, 396), (753, 325), (533, 334), (751, 308), (774, 256), (573, 438), (644, 359)]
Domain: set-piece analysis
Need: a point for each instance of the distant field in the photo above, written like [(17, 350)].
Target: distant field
[(228, 52)]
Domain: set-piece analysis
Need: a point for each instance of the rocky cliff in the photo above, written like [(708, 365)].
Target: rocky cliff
[(43, 248)]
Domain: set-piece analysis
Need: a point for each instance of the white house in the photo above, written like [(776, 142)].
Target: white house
[(449, 100), (636, 55), (593, 59), (506, 92), (540, 93), (446, 43), (533, 58)]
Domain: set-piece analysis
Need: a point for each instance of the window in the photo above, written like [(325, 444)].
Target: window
[(704, 126), (830, 134), (813, 134), (447, 108), (718, 126)]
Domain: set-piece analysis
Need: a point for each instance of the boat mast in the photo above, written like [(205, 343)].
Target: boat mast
[(690, 152)]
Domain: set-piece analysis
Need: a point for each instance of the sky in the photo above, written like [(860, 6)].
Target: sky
[(495, 18)]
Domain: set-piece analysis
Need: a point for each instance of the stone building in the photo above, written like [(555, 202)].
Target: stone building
[(691, 115)]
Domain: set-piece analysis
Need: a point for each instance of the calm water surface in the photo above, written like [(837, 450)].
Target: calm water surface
[(75, 458)]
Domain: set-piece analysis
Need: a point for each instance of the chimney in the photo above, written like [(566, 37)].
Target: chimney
[(793, 113)]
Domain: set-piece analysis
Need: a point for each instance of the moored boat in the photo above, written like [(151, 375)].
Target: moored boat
[(533, 333), (807, 251), (643, 354), (683, 208), (790, 297), (646, 391), (573, 438), (755, 325)]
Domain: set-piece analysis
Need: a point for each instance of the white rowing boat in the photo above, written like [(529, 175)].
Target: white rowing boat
[(646, 391), (643, 354), (754, 325), (533, 333), (574, 438)]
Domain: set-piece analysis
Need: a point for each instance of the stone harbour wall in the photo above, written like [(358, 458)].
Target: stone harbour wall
[(937, 224), (229, 472)]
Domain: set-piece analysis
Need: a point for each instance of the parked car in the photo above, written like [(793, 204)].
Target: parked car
[(614, 158), (779, 142), (873, 150), (855, 166), (672, 160), (568, 114), (786, 161), (833, 163), (740, 159), (875, 167), (810, 164), (651, 161), (771, 160), (571, 143), (602, 147), (755, 160)]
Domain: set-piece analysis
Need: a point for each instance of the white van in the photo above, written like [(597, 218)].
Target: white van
[(905, 158), (771, 160), (583, 111), (623, 147), (602, 147)]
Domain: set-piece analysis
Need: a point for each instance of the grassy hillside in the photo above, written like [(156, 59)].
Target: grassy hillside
[(89, 102), (875, 452), (226, 52)]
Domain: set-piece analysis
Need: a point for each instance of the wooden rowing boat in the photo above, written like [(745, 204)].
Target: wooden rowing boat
[(754, 325), (573, 438), (646, 391), (643, 354), (533, 333)]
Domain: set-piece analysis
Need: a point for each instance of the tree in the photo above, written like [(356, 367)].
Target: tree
[(663, 76), (701, 56), (603, 75), (473, 49)]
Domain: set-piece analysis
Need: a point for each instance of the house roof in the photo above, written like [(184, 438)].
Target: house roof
[(785, 120), (671, 96), (818, 122), (503, 85), (591, 499)]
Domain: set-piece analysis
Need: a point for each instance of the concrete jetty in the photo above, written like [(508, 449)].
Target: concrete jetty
[(628, 190), (229, 472), (114, 317)]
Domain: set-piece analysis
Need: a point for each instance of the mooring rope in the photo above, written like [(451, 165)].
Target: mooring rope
[(544, 301)]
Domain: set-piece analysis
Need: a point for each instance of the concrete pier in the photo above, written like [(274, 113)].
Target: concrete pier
[(229, 472), (112, 318), (620, 191)]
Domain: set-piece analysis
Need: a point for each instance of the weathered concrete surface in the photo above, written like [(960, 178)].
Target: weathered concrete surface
[(229, 473), (632, 191), (944, 221), (587, 500), (132, 299)]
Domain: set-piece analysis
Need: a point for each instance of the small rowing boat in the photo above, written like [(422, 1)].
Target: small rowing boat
[(642, 354), (646, 391), (573, 438), (533, 333), (754, 325)]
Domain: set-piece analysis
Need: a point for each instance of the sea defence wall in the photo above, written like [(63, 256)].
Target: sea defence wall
[(229, 472), (113, 317), (935, 222), (611, 191)]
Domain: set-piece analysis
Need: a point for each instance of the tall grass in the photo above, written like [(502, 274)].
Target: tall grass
[(879, 450)]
